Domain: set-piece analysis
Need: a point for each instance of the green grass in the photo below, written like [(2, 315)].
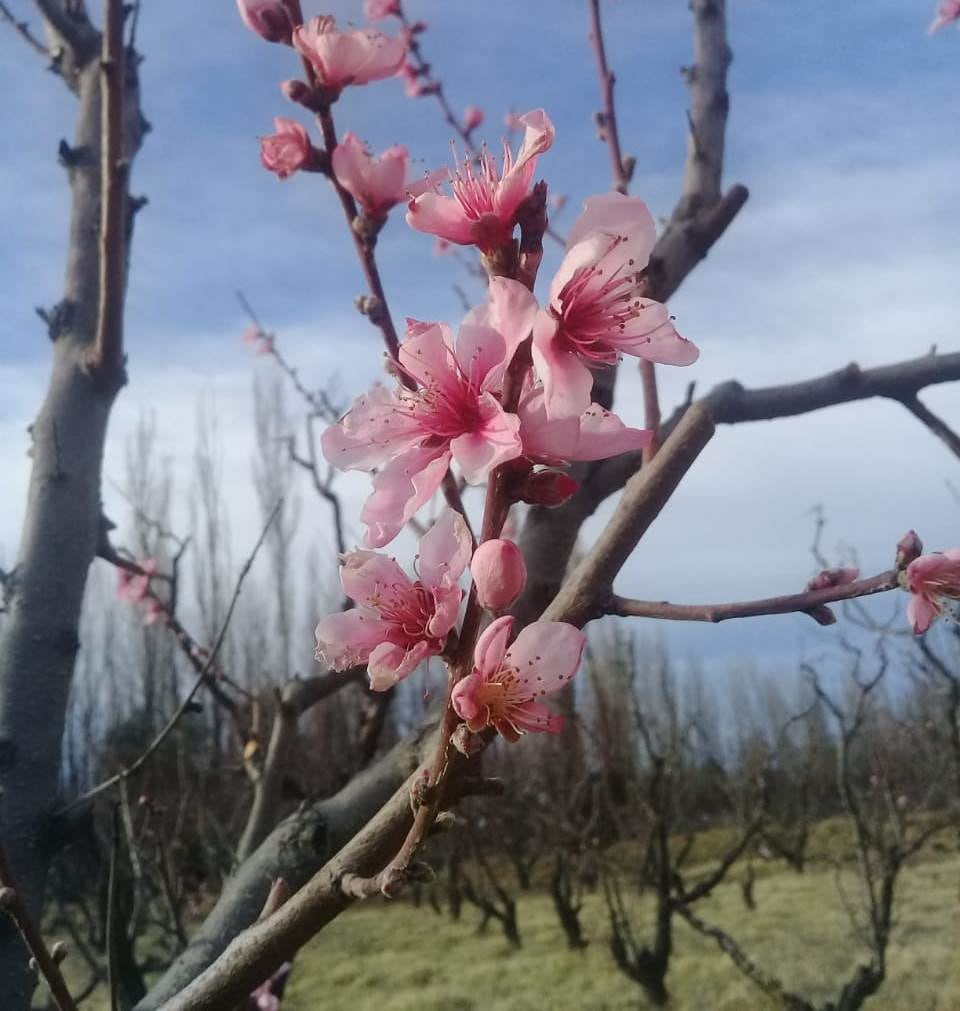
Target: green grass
[(392, 956)]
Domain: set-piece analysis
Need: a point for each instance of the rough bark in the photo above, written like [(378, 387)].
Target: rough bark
[(62, 524)]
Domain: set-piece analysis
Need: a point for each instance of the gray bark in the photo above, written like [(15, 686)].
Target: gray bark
[(59, 539)]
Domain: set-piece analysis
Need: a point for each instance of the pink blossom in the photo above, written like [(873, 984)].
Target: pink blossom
[(833, 577), (287, 150), (377, 10), (473, 116), (411, 436), (932, 580), (948, 11), (270, 19), (502, 690), (377, 183), (483, 208), (258, 341), (134, 587), (398, 622), (342, 58), (595, 435), (596, 313), (499, 573)]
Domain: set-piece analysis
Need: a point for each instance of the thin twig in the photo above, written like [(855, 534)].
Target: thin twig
[(806, 602), (23, 29), (934, 422), (14, 906), (201, 678)]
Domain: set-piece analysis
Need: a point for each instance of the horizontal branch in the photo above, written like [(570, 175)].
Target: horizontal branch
[(808, 602)]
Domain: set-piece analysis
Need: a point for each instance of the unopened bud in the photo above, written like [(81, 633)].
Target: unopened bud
[(473, 116), (547, 488), (370, 306), (833, 577), (268, 18), (499, 573), (909, 548)]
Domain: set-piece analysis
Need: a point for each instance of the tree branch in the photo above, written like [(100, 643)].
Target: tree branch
[(934, 422), (807, 602), (23, 30)]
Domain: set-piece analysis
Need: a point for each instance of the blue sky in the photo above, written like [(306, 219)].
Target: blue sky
[(843, 125)]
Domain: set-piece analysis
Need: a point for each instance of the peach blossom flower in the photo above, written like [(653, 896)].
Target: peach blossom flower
[(134, 587), (499, 572), (482, 210), (398, 622), (287, 150), (596, 312), (411, 436), (377, 184), (948, 11), (505, 684), (932, 580), (342, 58)]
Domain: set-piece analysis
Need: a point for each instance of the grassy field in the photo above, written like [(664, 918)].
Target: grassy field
[(398, 958)]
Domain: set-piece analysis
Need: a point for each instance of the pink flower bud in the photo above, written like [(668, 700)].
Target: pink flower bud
[(287, 150), (548, 488), (473, 116), (268, 18), (833, 577), (499, 572), (909, 547), (377, 10)]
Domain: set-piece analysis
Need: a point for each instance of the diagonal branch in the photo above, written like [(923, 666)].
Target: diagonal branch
[(808, 602), (934, 422), (23, 30)]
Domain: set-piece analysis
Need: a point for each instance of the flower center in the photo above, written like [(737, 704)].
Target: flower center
[(596, 305), (407, 608)]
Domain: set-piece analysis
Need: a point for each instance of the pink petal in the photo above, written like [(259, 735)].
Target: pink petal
[(438, 215), (567, 382), (546, 654), (446, 610), (616, 214), (408, 482), (496, 442), (537, 137), (364, 573), (347, 639), (921, 612), (491, 647), (536, 718), (462, 698), (390, 664), (510, 309), (428, 355), (445, 550), (652, 335), (370, 433)]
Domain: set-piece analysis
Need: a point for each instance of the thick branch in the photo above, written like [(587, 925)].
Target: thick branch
[(584, 593), (807, 602)]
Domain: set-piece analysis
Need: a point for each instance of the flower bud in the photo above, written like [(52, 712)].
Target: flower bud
[(833, 577), (377, 10), (547, 488), (499, 573), (473, 116), (909, 547), (268, 18)]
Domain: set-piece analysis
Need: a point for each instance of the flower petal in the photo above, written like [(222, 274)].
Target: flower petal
[(445, 550), (546, 654), (347, 639), (491, 647)]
